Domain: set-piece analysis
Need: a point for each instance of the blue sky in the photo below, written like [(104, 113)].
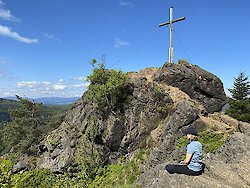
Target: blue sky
[(46, 45)]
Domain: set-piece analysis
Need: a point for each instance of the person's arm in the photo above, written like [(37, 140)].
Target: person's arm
[(187, 159)]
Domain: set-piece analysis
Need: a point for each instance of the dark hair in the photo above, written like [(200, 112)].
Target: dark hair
[(191, 130)]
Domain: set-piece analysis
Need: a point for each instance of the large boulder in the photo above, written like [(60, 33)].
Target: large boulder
[(196, 82)]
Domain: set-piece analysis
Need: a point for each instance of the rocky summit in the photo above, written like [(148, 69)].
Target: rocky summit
[(160, 104)]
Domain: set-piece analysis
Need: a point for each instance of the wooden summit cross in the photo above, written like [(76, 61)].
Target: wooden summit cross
[(171, 50)]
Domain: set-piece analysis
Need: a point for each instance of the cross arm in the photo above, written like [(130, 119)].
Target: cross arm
[(177, 20)]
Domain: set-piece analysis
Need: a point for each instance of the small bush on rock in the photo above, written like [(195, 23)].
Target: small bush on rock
[(211, 141), (107, 88)]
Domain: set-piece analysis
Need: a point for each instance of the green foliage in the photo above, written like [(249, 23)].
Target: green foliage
[(239, 104), (182, 141), (107, 88), (211, 141), (5, 105), (5, 172), (53, 142), (34, 178), (41, 178), (117, 175), (159, 89), (30, 121), (122, 174), (165, 110), (87, 156), (241, 88), (24, 128), (239, 109)]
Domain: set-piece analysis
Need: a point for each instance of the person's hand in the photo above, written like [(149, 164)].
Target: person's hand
[(183, 163)]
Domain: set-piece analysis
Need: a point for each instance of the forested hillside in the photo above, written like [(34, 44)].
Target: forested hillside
[(24, 122)]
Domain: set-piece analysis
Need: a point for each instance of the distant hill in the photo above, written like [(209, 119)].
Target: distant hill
[(51, 100), (51, 104), (56, 100)]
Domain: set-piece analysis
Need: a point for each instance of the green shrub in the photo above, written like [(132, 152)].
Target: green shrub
[(117, 175), (29, 123), (107, 88), (211, 141), (53, 142), (35, 178), (183, 141), (239, 109), (5, 172)]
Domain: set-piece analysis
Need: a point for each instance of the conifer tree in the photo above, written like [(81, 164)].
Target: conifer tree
[(241, 88), (25, 127), (239, 104)]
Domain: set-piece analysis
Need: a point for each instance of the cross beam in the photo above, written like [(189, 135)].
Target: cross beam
[(171, 50), (167, 23)]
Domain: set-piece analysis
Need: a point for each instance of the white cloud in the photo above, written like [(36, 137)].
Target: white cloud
[(81, 85), (51, 37), (125, 4), (81, 78), (9, 93), (59, 86), (6, 31), (1, 3), (120, 43), (35, 89), (6, 15), (32, 84)]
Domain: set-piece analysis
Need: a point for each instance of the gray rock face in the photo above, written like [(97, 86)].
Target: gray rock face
[(229, 167), (217, 176), (244, 128), (236, 150), (22, 165), (85, 130), (185, 114), (196, 82)]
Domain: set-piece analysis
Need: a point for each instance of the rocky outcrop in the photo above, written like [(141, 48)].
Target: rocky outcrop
[(160, 104), (196, 82), (86, 130), (185, 114), (21, 165)]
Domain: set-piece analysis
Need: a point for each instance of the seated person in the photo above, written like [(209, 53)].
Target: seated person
[(192, 165)]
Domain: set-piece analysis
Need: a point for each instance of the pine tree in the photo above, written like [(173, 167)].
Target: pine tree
[(25, 127), (241, 88), (239, 104)]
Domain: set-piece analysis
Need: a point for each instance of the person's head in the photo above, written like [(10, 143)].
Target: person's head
[(191, 133)]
